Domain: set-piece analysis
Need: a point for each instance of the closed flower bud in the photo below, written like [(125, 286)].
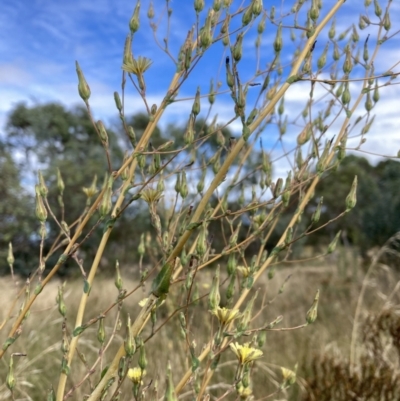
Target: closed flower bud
[(142, 362), (378, 9), (83, 87), (106, 203), (278, 43), (184, 188), (278, 187), (60, 182), (247, 314), (351, 198), (257, 7), (322, 60), (211, 95), (347, 65), (247, 16), (10, 379), (198, 5), (311, 315), (214, 296), (386, 21), (314, 11), (170, 394), (129, 343), (332, 245), (332, 30), (201, 245), (134, 21), (346, 97), (336, 54), (117, 101), (132, 136), (261, 25), (101, 333), (141, 247), (41, 212), (150, 11), (368, 102), (196, 103), (102, 133), (10, 255), (237, 47), (128, 57), (216, 5), (375, 96), (317, 213), (118, 279), (60, 301), (43, 190)]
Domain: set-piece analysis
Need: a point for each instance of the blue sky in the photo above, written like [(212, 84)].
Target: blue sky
[(43, 38)]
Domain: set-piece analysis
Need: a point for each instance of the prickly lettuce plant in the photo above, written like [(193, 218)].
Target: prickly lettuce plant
[(205, 184)]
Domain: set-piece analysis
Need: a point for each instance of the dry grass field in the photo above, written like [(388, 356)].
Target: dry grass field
[(327, 341)]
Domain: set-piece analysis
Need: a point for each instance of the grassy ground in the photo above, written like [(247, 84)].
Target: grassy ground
[(339, 281)]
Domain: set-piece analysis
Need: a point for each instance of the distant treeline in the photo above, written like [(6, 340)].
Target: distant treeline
[(51, 137)]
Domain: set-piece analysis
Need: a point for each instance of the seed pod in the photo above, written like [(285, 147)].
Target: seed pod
[(339, 90), (232, 264), (214, 297), (311, 315), (83, 87), (272, 13), (225, 25), (134, 21), (237, 47), (287, 192), (361, 23), (351, 198), (141, 247), (332, 245), (278, 43)]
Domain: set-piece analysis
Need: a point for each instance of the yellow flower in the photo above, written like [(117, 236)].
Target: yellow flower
[(151, 196), (245, 353), (244, 392), (289, 377), (136, 375), (138, 66), (244, 270), (225, 315)]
